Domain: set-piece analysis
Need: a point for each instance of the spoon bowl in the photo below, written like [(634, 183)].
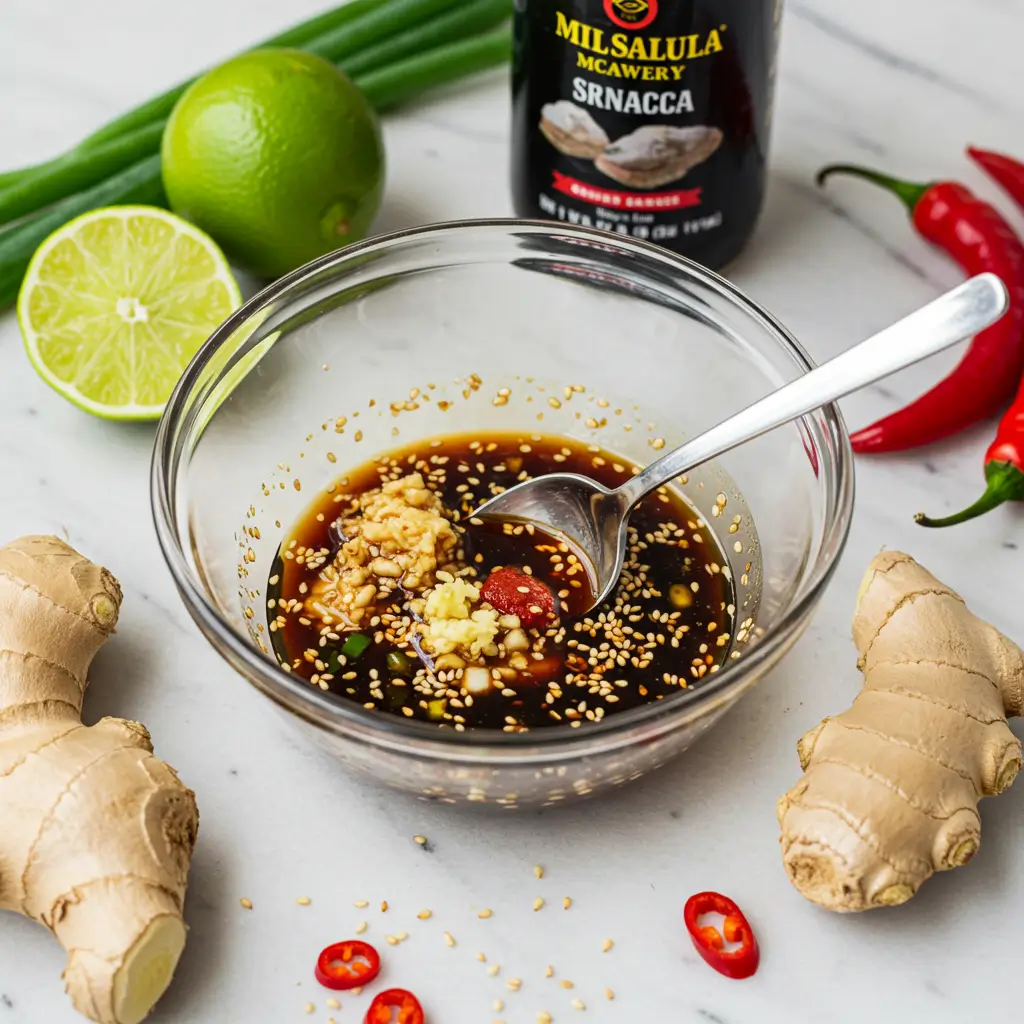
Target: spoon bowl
[(594, 520), (588, 516)]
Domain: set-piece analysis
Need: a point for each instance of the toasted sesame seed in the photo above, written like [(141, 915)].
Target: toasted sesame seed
[(482, 957), (567, 903), (449, 939), (361, 927), (549, 971), (246, 903), (609, 994), (607, 946), (485, 913), (333, 1004), (538, 903), (425, 915), (514, 984), (578, 1004), (303, 901), (566, 983), (538, 871), (383, 906), (421, 840), (498, 1005), (494, 970), (309, 1008), (360, 904), (391, 940)]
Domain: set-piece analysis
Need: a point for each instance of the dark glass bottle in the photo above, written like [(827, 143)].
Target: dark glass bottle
[(645, 117)]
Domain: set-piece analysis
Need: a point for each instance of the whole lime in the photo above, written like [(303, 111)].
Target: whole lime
[(277, 156)]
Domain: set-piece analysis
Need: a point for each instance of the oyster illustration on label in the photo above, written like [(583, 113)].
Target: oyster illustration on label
[(571, 130), (656, 154)]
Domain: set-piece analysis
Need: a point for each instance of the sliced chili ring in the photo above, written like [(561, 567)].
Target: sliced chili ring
[(344, 965), (408, 1006), (734, 963)]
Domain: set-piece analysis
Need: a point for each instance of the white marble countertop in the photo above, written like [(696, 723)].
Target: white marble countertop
[(899, 85)]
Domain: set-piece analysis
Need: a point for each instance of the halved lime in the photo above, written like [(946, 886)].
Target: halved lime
[(116, 302)]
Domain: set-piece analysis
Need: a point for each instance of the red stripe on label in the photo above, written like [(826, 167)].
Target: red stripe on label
[(617, 200)]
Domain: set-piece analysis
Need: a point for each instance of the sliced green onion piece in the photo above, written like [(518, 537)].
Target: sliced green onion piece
[(398, 664), (398, 695), (355, 645)]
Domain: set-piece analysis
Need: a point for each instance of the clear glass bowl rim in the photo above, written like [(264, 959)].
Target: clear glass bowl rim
[(323, 710)]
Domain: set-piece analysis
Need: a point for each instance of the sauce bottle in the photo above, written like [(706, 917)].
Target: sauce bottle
[(645, 117)]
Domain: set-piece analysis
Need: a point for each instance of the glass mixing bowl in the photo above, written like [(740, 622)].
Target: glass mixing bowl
[(412, 335)]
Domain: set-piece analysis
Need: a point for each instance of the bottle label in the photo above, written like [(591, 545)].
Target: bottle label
[(645, 117)]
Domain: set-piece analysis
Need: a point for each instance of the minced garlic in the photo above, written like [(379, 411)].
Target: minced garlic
[(395, 535), (451, 598), (450, 622)]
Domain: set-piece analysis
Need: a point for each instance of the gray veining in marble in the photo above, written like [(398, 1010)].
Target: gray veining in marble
[(904, 85)]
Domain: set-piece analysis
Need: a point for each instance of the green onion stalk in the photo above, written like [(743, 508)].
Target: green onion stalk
[(140, 182), (343, 32)]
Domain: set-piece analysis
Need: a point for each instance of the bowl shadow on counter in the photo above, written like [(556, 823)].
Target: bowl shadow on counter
[(679, 799)]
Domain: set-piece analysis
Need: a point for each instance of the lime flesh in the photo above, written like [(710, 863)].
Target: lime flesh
[(115, 303)]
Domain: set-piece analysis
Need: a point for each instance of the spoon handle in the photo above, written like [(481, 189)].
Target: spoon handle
[(960, 313)]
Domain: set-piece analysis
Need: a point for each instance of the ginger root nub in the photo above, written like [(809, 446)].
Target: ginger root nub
[(97, 833), (891, 786)]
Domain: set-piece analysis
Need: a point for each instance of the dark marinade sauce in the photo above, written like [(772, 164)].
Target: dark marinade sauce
[(666, 627)]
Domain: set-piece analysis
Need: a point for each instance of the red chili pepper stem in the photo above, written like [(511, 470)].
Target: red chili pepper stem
[(1005, 482), (910, 192)]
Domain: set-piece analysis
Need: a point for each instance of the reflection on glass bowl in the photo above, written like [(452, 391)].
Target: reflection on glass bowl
[(315, 374)]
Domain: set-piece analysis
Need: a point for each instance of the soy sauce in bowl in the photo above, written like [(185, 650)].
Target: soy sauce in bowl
[(389, 593)]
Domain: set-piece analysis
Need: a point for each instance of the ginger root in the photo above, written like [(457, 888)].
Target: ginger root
[(891, 786), (96, 833)]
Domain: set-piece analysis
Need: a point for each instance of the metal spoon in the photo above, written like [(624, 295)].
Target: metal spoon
[(593, 518)]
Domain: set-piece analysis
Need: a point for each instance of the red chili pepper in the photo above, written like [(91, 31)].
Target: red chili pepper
[(408, 1006), (1004, 169), (347, 965), (514, 592), (1004, 468), (979, 239), (1004, 460), (736, 963)]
